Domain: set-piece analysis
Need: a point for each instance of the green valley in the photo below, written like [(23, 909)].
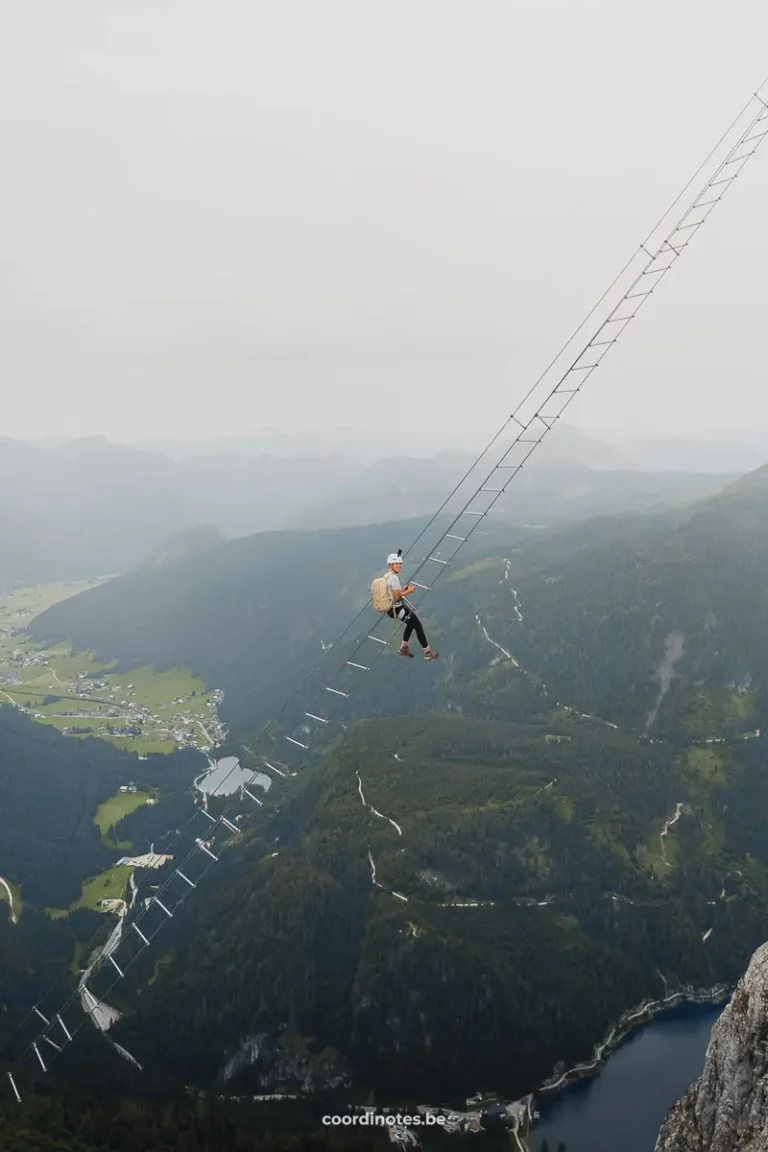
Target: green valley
[(140, 710)]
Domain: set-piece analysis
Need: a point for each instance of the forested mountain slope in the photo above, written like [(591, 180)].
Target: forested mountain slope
[(51, 787), (250, 617), (599, 868), (659, 623), (299, 959)]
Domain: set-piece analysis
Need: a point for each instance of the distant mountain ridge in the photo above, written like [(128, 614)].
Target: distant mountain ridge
[(89, 506)]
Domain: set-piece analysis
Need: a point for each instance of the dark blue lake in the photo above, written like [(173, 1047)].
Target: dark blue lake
[(624, 1106)]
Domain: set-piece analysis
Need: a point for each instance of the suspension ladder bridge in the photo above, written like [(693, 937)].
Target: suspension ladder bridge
[(283, 745)]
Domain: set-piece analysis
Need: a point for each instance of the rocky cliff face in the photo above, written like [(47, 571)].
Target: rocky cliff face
[(726, 1110)]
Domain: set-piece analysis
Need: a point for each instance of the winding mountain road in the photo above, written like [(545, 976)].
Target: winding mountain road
[(4, 884)]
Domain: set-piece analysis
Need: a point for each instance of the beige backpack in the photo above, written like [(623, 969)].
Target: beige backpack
[(380, 597)]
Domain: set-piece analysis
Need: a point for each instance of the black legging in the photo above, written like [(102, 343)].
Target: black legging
[(412, 623)]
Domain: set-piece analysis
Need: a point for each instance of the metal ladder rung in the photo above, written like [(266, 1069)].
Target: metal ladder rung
[(739, 159), (337, 691), (63, 1025), (759, 136), (114, 964), (232, 827), (207, 851), (52, 1044), (272, 767), (726, 180), (362, 667), (717, 199), (298, 743), (251, 796), (378, 641), (600, 343), (435, 559), (424, 587), (312, 716), (640, 295), (15, 1089), (186, 878), (143, 937), (37, 1010), (450, 536), (497, 491), (466, 513), (37, 1053), (208, 816)]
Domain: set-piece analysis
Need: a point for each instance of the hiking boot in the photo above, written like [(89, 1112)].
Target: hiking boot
[(404, 650), (430, 655)]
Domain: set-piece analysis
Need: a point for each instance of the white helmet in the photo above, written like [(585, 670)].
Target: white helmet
[(395, 557)]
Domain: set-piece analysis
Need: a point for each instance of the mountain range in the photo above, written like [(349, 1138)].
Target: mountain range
[(91, 507), (619, 614)]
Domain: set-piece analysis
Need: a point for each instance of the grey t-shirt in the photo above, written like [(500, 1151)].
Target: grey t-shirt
[(393, 582)]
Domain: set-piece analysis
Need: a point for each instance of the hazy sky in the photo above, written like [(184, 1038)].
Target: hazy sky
[(219, 216)]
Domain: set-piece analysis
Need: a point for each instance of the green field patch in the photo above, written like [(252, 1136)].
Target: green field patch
[(14, 694), (77, 958), (715, 711), (158, 689), (671, 849), (112, 811), (165, 959), (69, 665), (564, 807), (142, 745), (705, 765), (195, 706), (35, 674), (474, 569), (97, 724), (73, 705), (56, 913), (163, 709), (22, 605), (109, 885)]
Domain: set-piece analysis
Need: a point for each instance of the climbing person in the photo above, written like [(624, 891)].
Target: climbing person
[(388, 595)]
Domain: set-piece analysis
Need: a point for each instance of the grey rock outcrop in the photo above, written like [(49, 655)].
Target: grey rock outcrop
[(726, 1110)]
